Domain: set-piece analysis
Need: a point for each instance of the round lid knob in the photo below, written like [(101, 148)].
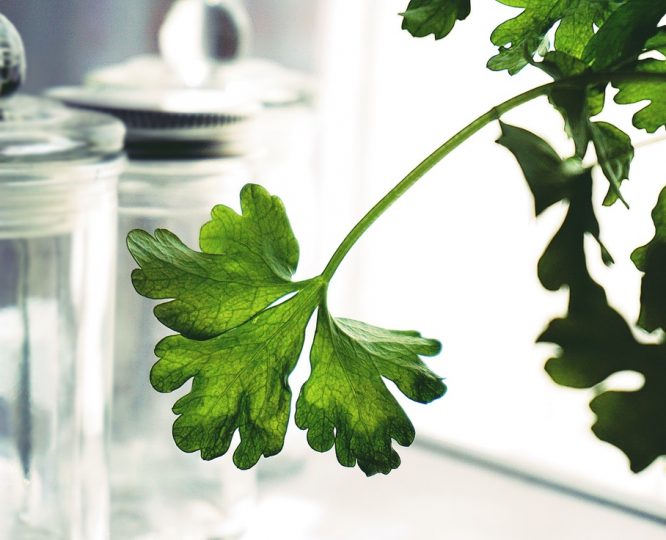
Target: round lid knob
[(12, 58), (198, 34), (36, 132)]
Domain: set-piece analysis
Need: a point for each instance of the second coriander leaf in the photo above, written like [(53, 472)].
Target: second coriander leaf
[(345, 401)]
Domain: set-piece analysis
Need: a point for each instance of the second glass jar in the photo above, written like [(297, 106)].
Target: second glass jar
[(157, 490)]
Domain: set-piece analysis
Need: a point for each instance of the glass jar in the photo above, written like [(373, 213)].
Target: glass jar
[(187, 151), (58, 180), (201, 124), (159, 491)]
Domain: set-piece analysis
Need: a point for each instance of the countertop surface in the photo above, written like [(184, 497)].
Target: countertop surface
[(432, 495)]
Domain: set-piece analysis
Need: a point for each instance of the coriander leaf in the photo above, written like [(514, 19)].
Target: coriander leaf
[(245, 265), (543, 168), (261, 235), (563, 261), (346, 403), (561, 65), (239, 345), (239, 381), (437, 17), (551, 180), (521, 37), (575, 102), (631, 420), (572, 103), (624, 33), (594, 344), (578, 20), (651, 259), (652, 116), (614, 153), (658, 41)]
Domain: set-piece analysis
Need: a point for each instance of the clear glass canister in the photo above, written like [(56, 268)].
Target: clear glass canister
[(187, 154), (201, 124), (58, 179), (158, 489)]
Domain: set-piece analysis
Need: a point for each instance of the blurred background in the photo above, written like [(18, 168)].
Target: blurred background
[(65, 39), (454, 259)]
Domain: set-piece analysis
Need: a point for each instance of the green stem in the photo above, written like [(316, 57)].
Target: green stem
[(428, 163), (421, 169)]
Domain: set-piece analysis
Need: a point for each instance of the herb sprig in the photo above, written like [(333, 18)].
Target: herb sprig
[(241, 319)]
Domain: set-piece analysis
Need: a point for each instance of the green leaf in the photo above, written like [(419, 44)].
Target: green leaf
[(635, 32), (437, 17), (545, 172), (563, 261), (345, 401), (239, 381), (245, 265), (572, 103), (241, 340), (596, 343), (658, 41), (651, 259), (614, 153), (520, 38), (623, 34), (559, 65), (575, 102), (652, 116), (261, 236), (551, 180), (628, 420)]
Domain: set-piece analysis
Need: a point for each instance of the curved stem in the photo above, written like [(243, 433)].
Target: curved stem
[(493, 114), (422, 168)]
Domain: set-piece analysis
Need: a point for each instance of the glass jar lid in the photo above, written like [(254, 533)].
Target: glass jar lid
[(200, 98), (184, 123), (34, 131), (266, 82)]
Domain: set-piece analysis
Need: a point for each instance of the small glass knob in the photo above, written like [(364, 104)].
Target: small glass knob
[(197, 34), (12, 58)]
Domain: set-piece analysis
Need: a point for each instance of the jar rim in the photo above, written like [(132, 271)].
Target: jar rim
[(39, 131), (47, 173)]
